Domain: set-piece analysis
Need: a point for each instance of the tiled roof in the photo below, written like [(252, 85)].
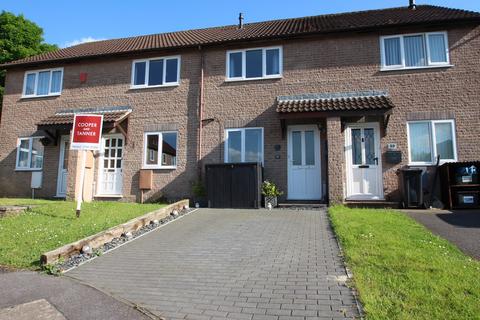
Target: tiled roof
[(373, 19), (350, 101), (66, 117)]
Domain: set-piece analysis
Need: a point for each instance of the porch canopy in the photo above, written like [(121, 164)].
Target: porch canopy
[(340, 104), (62, 121)]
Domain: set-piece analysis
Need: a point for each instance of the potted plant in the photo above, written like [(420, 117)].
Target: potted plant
[(199, 192), (270, 192)]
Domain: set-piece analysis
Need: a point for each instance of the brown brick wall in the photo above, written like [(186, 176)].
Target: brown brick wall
[(328, 64), (336, 160)]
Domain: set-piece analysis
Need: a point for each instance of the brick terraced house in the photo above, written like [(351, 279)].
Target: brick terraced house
[(332, 105)]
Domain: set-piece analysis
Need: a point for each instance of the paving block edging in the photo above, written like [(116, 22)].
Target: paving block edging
[(97, 240)]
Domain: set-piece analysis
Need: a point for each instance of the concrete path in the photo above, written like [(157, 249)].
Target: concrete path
[(30, 295), (231, 264), (461, 227)]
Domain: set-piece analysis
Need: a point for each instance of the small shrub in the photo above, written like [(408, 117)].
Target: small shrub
[(269, 189), (199, 189)]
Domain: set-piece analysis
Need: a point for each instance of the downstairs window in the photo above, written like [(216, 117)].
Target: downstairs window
[(244, 145), (160, 151), (29, 154), (429, 139)]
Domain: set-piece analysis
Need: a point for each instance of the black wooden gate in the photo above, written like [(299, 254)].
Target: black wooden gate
[(234, 185)]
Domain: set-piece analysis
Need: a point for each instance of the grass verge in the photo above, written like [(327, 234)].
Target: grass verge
[(51, 224), (402, 270)]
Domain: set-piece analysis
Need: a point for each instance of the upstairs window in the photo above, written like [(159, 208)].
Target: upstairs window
[(257, 63), (43, 83), (29, 154), (429, 139), (156, 72), (160, 150), (244, 145), (413, 51)]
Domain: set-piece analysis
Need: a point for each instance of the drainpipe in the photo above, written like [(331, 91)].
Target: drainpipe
[(200, 112)]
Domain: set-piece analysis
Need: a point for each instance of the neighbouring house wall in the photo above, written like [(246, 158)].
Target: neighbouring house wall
[(337, 63), (336, 160)]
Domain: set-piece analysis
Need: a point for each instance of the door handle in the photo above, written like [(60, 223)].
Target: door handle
[(364, 166)]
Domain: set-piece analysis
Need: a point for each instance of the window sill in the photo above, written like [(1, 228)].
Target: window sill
[(252, 79), (108, 196), (158, 86), (159, 168), (28, 169), (417, 68), (430, 164), (42, 96)]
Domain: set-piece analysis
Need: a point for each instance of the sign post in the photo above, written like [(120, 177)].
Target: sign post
[(86, 135)]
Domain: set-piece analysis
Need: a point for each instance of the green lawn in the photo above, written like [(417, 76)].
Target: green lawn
[(25, 237), (402, 271)]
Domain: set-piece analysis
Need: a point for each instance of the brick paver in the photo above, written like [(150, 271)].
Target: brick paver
[(231, 264)]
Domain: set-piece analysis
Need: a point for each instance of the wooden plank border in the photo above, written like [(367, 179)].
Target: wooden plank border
[(99, 239)]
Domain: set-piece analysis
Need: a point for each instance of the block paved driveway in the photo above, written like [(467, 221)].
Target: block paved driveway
[(231, 264)]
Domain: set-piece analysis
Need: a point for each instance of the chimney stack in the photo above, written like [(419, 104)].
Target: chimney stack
[(240, 21), (412, 5)]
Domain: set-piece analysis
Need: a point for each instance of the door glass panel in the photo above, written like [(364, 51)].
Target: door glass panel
[(356, 146), (112, 153), (309, 148), (297, 148), (444, 140), (65, 155), (420, 142), (234, 146), (105, 164), (253, 145), (369, 136)]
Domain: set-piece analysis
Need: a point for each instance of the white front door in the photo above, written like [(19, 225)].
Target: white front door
[(110, 175), (304, 174), (364, 162), (63, 167)]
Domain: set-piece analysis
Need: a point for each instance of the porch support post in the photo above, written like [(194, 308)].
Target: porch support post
[(336, 160)]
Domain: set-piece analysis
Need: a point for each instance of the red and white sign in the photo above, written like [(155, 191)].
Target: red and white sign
[(87, 132)]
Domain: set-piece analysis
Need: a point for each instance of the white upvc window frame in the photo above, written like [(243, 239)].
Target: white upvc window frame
[(433, 142), (29, 161), (264, 64), (402, 66), (37, 72), (242, 150), (160, 150), (147, 71)]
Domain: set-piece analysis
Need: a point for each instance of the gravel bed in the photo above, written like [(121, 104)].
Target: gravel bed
[(77, 259)]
